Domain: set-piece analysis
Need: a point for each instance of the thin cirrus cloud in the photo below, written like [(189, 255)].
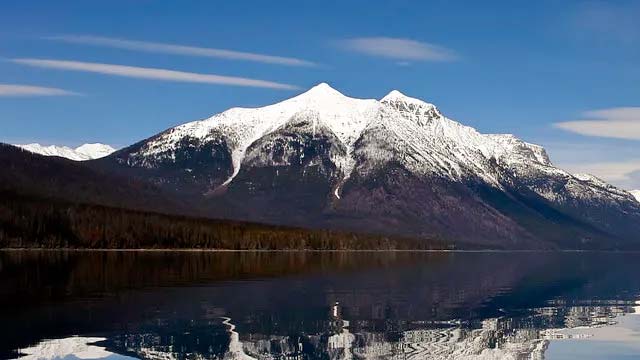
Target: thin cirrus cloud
[(151, 73), (18, 90), (399, 49), (619, 123), (163, 48)]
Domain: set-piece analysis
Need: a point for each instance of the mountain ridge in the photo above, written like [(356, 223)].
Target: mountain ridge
[(395, 165), (89, 151), (346, 125)]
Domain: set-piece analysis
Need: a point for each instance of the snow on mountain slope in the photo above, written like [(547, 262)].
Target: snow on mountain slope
[(81, 153), (595, 183), (636, 194), (94, 151), (322, 159), (346, 117), (397, 127), (434, 143)]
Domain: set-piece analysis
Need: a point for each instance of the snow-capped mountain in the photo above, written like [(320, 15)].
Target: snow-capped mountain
[(395, 165), (417, 127), (81, 153), (636, 194)]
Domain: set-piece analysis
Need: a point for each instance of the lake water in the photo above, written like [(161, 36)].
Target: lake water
[(306, 305)]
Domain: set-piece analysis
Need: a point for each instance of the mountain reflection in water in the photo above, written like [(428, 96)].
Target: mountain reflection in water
[(305, 305)]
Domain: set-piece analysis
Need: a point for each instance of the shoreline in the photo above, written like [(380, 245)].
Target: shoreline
[(164, 250)]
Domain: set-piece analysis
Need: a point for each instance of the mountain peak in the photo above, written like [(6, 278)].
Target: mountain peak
[(94, 150), (396, 96), (323, 89)]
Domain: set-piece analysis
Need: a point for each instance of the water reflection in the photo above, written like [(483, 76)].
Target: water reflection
[(318, 305), (70, 348)]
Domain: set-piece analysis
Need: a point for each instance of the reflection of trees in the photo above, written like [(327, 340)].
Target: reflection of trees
[(79, 273)]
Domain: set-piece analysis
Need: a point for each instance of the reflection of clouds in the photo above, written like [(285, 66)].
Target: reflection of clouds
[(625, 330), (78, 347)]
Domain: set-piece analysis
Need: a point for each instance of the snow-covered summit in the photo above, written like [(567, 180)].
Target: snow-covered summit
[(407, 129), (397, 96), (345, 116), (81, 153), (412, 120), (94, 150)]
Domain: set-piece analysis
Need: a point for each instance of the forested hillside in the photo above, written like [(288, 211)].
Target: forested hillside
[(50, 202), (38, 223)]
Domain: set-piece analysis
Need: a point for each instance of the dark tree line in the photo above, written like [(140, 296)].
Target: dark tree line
[(39, 223)]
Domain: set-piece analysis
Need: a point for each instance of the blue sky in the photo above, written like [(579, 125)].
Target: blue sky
[(564, 74)]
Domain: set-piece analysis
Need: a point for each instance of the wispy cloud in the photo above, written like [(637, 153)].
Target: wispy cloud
[(151, 73), (614, 161), (620, 123), (625, 174), (17, 90), (399, 49), (164, 48)]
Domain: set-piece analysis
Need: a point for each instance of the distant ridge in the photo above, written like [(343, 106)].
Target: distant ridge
[(81, 153)]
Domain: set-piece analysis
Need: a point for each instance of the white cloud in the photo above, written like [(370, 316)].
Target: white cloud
[(16, 90), (163, 48), (620, 123), (625, 174), (399, 49), (617, 162), (151, 73)]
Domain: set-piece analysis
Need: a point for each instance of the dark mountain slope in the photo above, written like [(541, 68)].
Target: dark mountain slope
[(28, 174), (391, 166)]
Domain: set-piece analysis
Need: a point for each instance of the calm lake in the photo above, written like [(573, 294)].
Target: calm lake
[(311, 305)]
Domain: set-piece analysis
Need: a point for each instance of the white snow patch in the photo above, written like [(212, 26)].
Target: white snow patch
[(406, 129), (95, 150), (345, 116), (81, 153)]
